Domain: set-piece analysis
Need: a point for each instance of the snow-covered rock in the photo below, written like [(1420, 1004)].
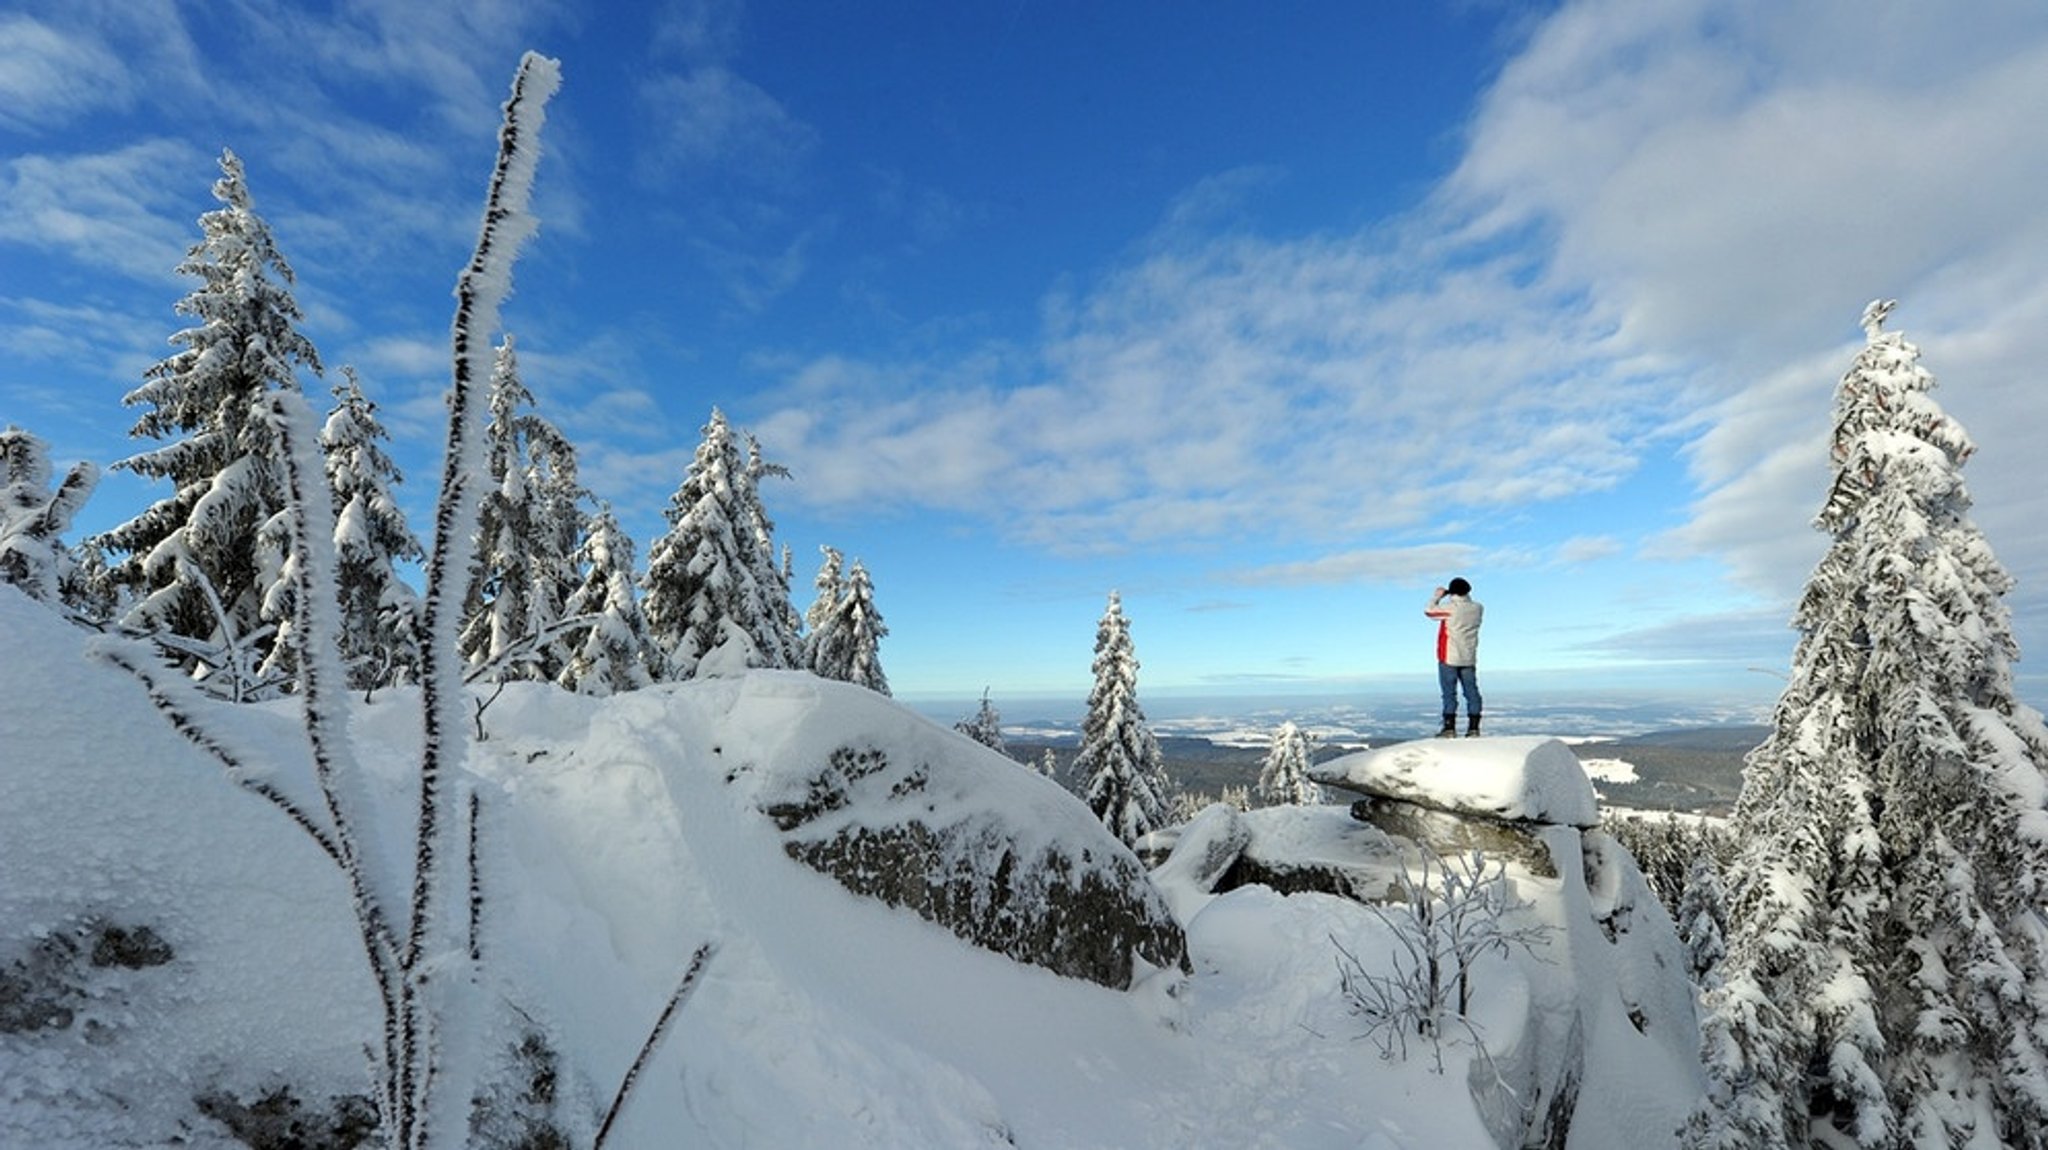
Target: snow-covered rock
[(895, 808), (1589, 1035), (1517, 779)]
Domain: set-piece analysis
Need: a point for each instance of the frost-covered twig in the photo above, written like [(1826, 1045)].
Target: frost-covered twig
[(654, 1037), (172, 696), (316, 624), (480, 291)]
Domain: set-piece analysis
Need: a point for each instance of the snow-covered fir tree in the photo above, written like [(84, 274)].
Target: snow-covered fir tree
[(527, 533), (1119, 756), (613, 651), (985, 726), (1049, 764), (829, 588), (848, 645), (1284, 776), (1886, 977), (379, 611), (210, 398), (1702, 921), (781, 626), (33, 518), (88, 586), (706, 607)]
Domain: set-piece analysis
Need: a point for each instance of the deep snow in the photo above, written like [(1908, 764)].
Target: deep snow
[(614, 845)]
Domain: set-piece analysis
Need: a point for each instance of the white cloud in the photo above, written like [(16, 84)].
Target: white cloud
[(1732, 182), (712, 115), (1239, 388), (49, 76), (1393, 566), (114, 210)]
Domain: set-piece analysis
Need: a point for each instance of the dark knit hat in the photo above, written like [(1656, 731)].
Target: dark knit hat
[(1460, 587)]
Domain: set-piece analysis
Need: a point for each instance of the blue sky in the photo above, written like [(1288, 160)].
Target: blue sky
[(1269, 317)]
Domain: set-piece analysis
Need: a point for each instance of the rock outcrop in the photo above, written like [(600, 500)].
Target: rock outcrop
[(1606, 988), (973, 842)]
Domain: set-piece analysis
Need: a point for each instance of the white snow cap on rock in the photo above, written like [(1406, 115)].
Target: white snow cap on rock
[(1533, 779)]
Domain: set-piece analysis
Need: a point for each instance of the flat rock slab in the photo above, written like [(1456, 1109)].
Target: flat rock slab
[(1534, 779)]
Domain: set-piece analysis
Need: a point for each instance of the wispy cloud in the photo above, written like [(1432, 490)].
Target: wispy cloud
[(1393, 566), (1226, 386), (50, 75), (1732, 182), (113, 211)]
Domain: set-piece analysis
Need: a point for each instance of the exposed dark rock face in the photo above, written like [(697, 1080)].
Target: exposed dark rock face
[(45, 988), (279, 1120), (131, 949), (1450, 834), (1085, 913)]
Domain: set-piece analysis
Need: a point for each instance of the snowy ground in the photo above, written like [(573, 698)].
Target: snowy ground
[(826, 1020)]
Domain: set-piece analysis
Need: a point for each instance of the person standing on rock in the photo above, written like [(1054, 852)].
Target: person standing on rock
[(1457, 616)]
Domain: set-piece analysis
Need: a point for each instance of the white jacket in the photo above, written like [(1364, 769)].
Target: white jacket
[(1457, 632)]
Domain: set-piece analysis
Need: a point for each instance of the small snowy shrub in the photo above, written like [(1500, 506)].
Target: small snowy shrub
[(516, 1110), (1440, 932)]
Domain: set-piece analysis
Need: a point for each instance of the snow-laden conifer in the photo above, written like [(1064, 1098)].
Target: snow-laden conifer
[(1284, 776), (829, 588), (33, 518), (781, 628), (985, 726), (527, 531), (1702, 921), (380, 613), (1886, 977), (612, 652), (88, 586), (210, 399), (848, 644), (1119, 755), (705, 603)]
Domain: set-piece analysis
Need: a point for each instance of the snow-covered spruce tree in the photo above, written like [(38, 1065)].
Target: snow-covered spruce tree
[(88, 587), (1702, 920), (848, 647), (830, 589), (1886, 977), (379, 610), (211, 398), (781, 626), (612, 655), (1284, 777), (706, 607), (527, 533), (1119, 756), (33, 518), (985, 726)]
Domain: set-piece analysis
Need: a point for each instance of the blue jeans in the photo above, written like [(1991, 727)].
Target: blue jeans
[(1451, 680)]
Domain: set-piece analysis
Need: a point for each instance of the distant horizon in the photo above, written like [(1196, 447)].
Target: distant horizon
[(1384, 710)]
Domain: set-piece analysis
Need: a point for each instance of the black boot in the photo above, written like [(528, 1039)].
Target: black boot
[(1450, 729), (1472, 727)]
